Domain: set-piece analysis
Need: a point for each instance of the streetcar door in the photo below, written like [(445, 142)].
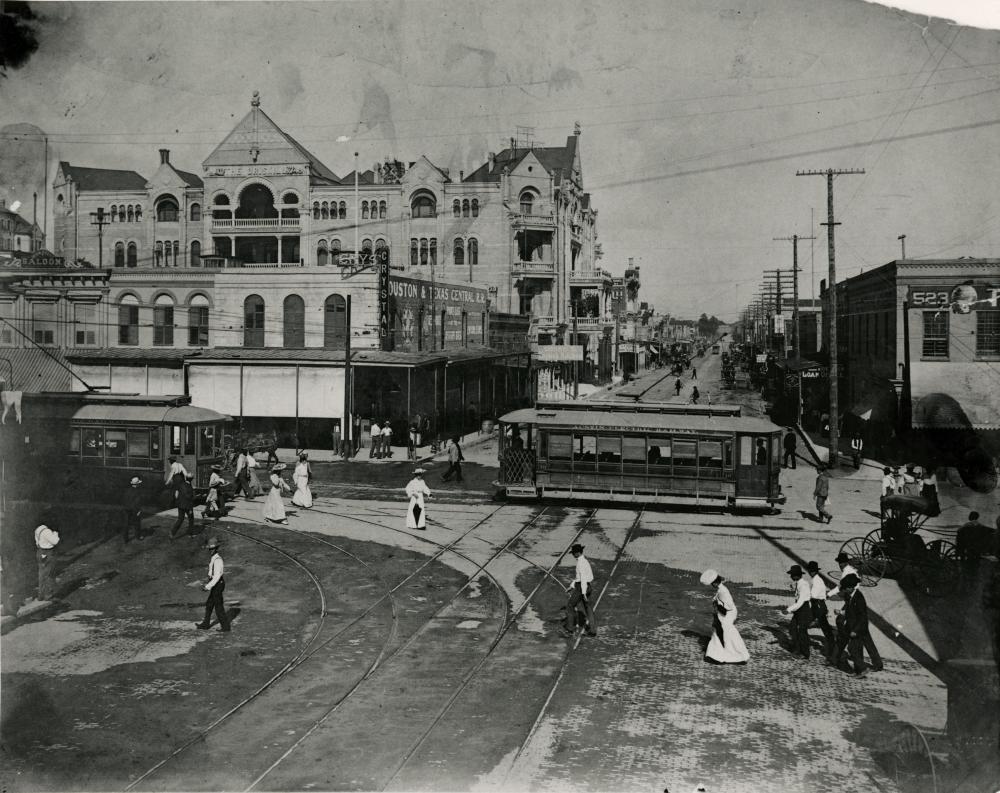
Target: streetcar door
[(752, 466)]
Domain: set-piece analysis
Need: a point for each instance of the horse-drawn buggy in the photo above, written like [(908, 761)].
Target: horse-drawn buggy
[(897, 550), (254, 443)]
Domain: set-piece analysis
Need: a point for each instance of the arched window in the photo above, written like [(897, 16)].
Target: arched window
[(221, 210), (195, 254), (130, 214), (423, 205), (195, 212), (334, 252), (291, 205), (326, 211), (434, 251), (527, 202), (321, 253), (221, 201), (253, 321), (177, 252), (342, 211), (166, 210), (364, 210), (334, 322), (475, 207), (119, 254), (256, 201), (382, 209), (456, 208), (128, 320), (473, 251), (158, 254), (366, 250), (198, 321), (294, 322), (131, 255), (465, 208), (423, 250), (315, 210), (290, 198), (414, 260), (459, 251), (114, 212), (163, 321)]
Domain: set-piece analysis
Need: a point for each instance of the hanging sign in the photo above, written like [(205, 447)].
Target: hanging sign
[(382, 264)]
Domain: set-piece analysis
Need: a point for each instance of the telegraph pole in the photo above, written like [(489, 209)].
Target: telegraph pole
[(834, 455), (100, 220), (796, 351), (902, 239)]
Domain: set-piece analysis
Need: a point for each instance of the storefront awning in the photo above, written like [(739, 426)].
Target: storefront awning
[(955, 395)]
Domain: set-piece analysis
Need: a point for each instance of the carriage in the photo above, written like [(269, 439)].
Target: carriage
[(896, 550)]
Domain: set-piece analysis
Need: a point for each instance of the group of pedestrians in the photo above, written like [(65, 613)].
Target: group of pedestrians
[(381, 440), (850, 638)]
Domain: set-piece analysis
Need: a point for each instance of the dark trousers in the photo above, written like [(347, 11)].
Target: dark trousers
[(799, 630), (855, 644), (216, 602), (242, 484), (133, 524), (183, 512), (576, 599), (820, 614), (864, 642), (453, 468), (46, 572), (375, 450), (789, 459)]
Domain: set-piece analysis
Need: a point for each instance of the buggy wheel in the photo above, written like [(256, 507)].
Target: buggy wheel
[(940, 570), (858, 556)]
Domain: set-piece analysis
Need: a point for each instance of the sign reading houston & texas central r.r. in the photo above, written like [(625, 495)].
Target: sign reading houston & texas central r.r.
[(406, 288)]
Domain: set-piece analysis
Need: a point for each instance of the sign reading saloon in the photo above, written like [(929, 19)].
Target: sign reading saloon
[(962, 299), (425, 317)]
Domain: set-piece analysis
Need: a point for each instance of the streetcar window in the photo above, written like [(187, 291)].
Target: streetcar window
[(710, 457), (727, 454), (74, 442), (154, 444), (189, 440), (660, 452), (634, 449), (560, 446), (206, 441), (138, 444), (114, 445), (746, 450), (685, 456), (775, 450), (93, 442), (175, 439), (609, 450), (584, 448)]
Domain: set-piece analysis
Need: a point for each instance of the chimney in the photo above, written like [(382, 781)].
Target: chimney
[(630, 262), (576, 128), (164, 156), (492, 158), (461, 175)]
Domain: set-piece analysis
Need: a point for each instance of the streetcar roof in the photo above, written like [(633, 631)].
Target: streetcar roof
[(618, 405), (148, 414), (654, 422)]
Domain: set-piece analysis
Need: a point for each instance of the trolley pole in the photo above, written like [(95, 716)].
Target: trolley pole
[(576, 363), (796, 348), (834, 455), (347, 441), (100, 220)]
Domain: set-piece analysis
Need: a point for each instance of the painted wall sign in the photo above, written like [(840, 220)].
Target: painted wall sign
[(961, 299), (423, 317), (255, 170)]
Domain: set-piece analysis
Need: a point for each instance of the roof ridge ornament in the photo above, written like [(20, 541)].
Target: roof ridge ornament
[(255, 101)]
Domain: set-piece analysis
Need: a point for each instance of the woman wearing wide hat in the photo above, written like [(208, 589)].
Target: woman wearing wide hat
[(214, 501), (274, 507), (416, 489), (726, 645)]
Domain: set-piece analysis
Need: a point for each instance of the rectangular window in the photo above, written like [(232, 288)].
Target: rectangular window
[(7, 316), (198, 326), (74, 442), (710, 455), (85, 324), (154, 444), (163, 326), (189, 440), (685, 457), (93, 442), (584, 450), (128, 325), (935, 334), (43, 323), (634, 454), (175, 439), (988, 333), (609, 450), (114, 446), (206, 441), (660, 454), (560, 451), (138, 444)]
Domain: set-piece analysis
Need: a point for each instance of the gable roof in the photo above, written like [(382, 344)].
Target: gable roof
[(557, 160), (190, 179), (102, 178), (33, 369), (256, 130)]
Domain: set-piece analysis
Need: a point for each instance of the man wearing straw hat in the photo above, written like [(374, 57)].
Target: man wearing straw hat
[(215, 586), (580, 594)]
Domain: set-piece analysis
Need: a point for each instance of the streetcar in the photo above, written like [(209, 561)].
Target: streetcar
[(649, 453), (90, 444)]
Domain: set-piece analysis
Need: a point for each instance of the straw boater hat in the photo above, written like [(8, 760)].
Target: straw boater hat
[(135, 481), (278, 467), (213, 542), (709, 576), (216, 467), (419, 471)]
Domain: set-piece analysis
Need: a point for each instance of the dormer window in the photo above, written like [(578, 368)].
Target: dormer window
[(423, 205)]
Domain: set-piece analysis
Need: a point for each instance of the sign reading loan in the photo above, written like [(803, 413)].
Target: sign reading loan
[(443, 316)]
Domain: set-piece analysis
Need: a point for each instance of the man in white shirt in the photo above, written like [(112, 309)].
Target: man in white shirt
[(820, 612), (846, 569), (801, 613), (175, 468), (386, 438), (580, 594), (46, 541), (215, 586), (375, 450)]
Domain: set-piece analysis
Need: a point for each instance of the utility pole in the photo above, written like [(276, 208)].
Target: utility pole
[(100, 220), (576, 363), (902, 239), (347, 436), (796, 351), (834, 454)]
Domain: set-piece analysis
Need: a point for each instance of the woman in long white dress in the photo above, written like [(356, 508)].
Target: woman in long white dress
[(274, 507), (303, 473), (416, 489), (254, 481), (726, 645)]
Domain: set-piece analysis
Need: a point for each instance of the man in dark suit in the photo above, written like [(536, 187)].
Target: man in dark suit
[(184, 498), (855, 622)]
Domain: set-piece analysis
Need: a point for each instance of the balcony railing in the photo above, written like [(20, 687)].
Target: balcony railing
[(533, 268), (255, 223), (261, 265), (589, 323), (592, 277), (544, 320), (534, 218)]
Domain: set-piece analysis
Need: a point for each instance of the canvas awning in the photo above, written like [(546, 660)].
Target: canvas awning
[(955, 395)]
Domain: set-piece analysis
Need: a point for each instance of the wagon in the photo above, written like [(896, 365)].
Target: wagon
[(254, 443), (896, 550)]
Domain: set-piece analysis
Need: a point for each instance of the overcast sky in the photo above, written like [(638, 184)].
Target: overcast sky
[(696, 114)]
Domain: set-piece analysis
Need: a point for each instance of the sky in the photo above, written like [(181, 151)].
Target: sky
[(695, 114)]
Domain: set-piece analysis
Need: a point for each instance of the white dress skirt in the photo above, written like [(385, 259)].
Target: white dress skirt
[(726, 645), (303, 495), (416, 514), (274, 507)]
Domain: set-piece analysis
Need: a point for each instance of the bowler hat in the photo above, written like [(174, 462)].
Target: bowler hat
[(812, 567), (576, 547), (795, 570), (849, 581), (843, 557), (216, 467)]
